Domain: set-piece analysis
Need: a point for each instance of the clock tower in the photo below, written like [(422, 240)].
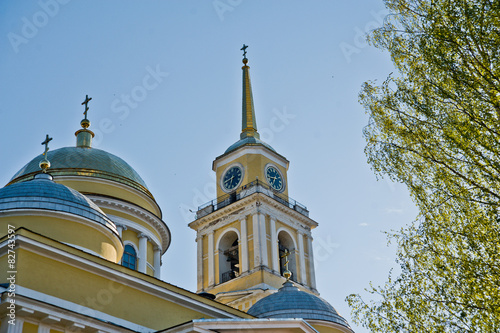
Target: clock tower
[(244, 234)]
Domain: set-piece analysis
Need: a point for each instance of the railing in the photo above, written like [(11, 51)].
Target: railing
[(226, 276), (254, 187)]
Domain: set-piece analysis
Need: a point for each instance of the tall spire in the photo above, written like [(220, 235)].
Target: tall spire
[(249, 124), (84, 136)]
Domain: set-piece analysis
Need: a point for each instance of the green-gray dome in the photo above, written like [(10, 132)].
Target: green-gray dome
[(90, 162), (248, 141)]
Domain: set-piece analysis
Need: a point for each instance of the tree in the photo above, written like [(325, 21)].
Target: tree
[(435, 126)]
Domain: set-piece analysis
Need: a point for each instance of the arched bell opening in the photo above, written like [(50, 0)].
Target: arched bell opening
[(286, 245), (229, 259)]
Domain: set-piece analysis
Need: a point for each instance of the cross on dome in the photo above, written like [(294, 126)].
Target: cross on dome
[(45, 164), (46, 143)]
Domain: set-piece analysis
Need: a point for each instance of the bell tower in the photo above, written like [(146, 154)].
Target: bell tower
[(244, 234)]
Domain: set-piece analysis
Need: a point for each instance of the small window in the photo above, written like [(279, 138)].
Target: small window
[(129, 257)]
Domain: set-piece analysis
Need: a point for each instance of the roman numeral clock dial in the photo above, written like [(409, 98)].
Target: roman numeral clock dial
[(274, 178), (232, 178)]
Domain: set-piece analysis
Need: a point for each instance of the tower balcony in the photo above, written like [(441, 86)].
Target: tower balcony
[(246, 190)]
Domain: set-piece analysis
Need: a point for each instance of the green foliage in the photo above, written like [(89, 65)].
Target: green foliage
[(435, 126)]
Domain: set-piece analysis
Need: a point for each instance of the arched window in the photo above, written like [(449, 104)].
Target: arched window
[(285, 242), (129, 257), (229, 257)]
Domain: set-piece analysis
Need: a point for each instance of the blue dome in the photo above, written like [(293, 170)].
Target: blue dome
[(290, 302), (90, 162), (248, 141), (43, 193)]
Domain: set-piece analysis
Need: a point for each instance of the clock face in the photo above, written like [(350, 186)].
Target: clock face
[(273, 177), (232, 178)]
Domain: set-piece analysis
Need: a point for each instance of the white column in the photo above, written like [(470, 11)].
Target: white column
[(199, 261), (257, 257), (302, 258), (211, 280), (244, 245), (157, 261), (263, 239), (143, 253), (8, 328), (43, 328), (312, 273), (274, 247), (120, 228)]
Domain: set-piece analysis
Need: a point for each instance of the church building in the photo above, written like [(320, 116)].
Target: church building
[(82, 239)]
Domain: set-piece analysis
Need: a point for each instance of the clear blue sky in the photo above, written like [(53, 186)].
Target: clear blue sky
[(308, 61)]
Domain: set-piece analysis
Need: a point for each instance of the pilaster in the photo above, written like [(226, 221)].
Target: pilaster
[(157, 261), (211, 274), (274, 247), (244, 245), (312, 274), (302, 259)]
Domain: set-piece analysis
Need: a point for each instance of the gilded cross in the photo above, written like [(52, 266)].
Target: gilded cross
[(287, 274), (86, 102), (46, 143), (287, 253), (244, 49)]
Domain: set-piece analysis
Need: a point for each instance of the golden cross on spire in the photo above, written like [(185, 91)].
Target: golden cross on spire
[(244, 49), (287, 274), (86, 102)]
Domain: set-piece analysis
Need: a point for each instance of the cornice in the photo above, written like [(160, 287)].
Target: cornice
[(34, 310), (243, 203), (133, 279), (253, 150), (136, 211)]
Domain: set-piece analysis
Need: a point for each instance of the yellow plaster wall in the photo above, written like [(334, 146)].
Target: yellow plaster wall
[(216, 268), (205, 273), (205, 261), (131, 236), (150, 250), (97, 292), (30, 328), (254, 165), (251, 245), (4, 268), (308, 275), (71, 232)]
